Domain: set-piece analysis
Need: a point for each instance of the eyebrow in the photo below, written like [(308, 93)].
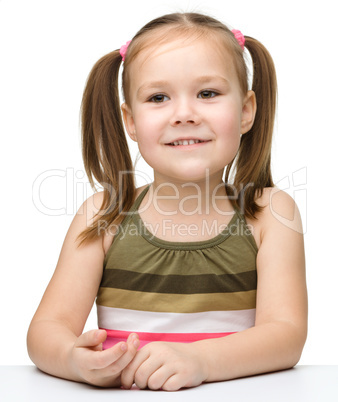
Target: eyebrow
[(204, 79), (151, 86)]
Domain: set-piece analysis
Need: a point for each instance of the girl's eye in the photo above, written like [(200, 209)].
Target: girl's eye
[(207, 94), (158, 98)]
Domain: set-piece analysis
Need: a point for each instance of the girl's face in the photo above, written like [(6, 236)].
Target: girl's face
[(186, 109)]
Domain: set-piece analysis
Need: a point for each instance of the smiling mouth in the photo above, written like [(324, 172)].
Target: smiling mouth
[(186, 142)]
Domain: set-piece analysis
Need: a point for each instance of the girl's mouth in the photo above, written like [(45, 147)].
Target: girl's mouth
[(186, 142)]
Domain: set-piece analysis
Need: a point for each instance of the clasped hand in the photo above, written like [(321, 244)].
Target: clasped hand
[(165, 365), (158, 365)]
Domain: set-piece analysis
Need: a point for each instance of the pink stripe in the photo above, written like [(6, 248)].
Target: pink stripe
[(114, 337)]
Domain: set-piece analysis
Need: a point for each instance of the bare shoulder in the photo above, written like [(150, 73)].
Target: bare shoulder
[(279, 212), (279, 208), (82, 220), (91, 207)]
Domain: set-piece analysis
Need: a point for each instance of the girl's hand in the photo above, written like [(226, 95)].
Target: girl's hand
[(100, 367), (165, 365)]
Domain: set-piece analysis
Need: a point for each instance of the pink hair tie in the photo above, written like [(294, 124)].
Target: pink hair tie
[(240, 37), (123, 50)]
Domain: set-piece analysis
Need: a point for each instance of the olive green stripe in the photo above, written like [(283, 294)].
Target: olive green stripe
[(179, 284), (176, 303)]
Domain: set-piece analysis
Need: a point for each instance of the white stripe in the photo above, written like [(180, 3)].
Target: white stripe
[(145, 321)]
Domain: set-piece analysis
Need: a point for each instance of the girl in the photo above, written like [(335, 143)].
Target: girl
[(197, 278)]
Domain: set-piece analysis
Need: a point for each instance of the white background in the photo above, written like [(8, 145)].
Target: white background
[(47, 49)]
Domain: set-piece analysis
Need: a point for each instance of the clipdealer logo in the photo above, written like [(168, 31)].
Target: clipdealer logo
[(58, 192)]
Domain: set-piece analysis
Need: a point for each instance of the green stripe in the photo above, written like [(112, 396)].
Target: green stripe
[(179, 284), (170, 303)]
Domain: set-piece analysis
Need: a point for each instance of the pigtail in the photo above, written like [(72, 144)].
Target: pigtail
[(252, 164), (105, 150)]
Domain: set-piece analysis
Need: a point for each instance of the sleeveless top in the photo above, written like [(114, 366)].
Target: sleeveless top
[(177, 291)]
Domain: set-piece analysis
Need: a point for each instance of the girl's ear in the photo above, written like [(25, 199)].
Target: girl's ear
[(129, 121), (248, 112)]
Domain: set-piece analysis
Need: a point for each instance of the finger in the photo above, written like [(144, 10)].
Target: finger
[(133, 342), (159, 377), (120, 364), (104, 358), (128, 373), (119, 356), (133, 337), (91, 338), (173, 383), (146, 370)]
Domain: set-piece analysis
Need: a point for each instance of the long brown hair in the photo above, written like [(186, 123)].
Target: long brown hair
[(105, 151)]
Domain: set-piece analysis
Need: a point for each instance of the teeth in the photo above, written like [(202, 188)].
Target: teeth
[(185, 142)]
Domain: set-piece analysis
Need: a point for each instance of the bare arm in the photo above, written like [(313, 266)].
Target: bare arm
[(277, 339), (55, 340)]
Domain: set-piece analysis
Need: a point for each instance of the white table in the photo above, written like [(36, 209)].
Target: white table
[(302, 383)]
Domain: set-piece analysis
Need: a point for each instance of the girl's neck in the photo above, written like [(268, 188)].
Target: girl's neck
[(203, 197)]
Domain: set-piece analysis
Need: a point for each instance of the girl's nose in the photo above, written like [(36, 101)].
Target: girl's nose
[(184, 113)]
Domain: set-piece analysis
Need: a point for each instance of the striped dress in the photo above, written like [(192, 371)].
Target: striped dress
[(177, 291)]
